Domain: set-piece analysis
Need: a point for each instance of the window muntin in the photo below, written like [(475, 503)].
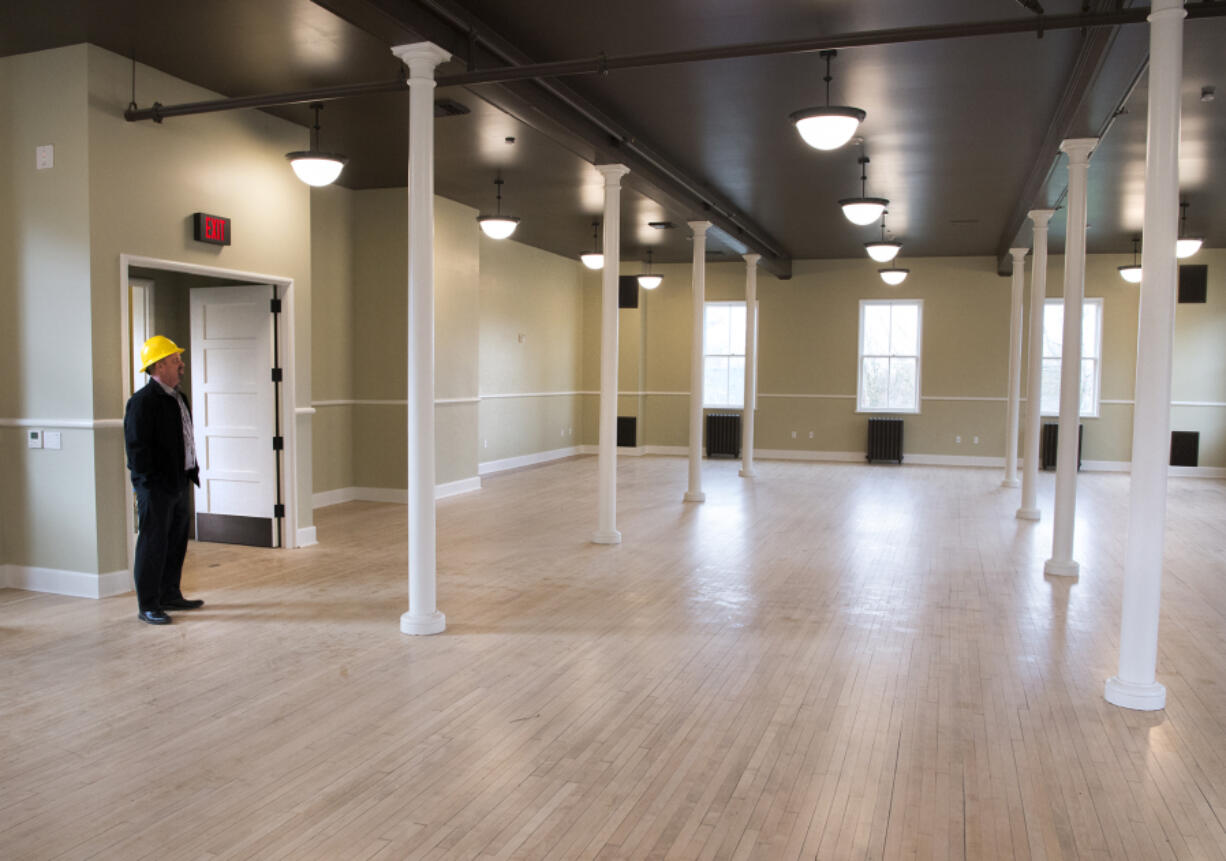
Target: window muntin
[(889, 367), (1091, 356)]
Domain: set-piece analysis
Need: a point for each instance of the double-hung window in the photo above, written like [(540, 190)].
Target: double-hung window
[(1091, 356), (889, 375), (723, 355)]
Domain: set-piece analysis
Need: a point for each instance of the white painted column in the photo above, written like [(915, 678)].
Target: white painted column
[(1135, 686), (1034, 365), (1065, 510), (698, 293), (423, 616), (606, 522), (1015, 364), (751, 363)]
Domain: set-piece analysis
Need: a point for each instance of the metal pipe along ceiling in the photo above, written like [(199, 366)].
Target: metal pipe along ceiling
[(600, 65)]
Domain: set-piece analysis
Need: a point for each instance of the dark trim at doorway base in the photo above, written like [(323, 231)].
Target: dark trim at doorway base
[(233, 529)]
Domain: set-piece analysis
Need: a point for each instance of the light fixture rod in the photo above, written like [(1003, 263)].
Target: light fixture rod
[(601, 65)]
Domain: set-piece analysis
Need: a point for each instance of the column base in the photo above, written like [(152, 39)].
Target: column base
[(1061, 567), (606, 536), (1010, 482), (746, 473), (433, 623), (1029, 514), (695, 496), (1130, 695)]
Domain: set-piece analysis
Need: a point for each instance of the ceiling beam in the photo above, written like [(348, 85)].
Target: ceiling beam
[(1081, 112), (551, 106)]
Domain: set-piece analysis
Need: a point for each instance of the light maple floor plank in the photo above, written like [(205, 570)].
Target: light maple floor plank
[(828, 661)]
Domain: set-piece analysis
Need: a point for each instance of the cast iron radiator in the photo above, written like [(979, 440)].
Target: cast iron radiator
[(1049, 443), (723, 435), (885, 440)]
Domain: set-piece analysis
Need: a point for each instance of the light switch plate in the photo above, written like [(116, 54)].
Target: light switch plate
[(44, 157), (52, 440)]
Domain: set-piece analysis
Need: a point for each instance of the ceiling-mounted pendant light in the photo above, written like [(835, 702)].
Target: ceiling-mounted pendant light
[(594, 259), (883, 251), (1132, 272), (498, 226), (863, 210), (1186, 246), (312, 166), (649, 280), (829, 127), (893, 276)]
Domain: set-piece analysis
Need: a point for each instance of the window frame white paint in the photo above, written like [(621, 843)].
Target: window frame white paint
[(919, 362), (1096, 301), (706, 405)]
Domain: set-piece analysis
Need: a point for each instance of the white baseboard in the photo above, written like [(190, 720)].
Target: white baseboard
[(491, 466), (792, 454), (455, 488), (1197, 472), (389, 494), (307, 536), (78, 584)]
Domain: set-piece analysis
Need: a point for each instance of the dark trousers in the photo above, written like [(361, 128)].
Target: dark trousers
[(161, 545)]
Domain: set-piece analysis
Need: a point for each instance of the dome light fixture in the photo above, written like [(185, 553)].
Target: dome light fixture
[(863, 210), (1186, 246), (498, 226), (649, 280), (883, 251), (594, 259), (312, 166), (831, 126), (893, 276), (1132, 272)]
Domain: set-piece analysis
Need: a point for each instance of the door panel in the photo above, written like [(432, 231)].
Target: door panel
[(235, 406)]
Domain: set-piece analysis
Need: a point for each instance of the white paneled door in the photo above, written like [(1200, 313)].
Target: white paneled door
[(234, 411)]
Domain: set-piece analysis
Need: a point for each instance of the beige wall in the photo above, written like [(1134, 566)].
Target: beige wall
[(332, 335), (116, 188), (531, 350), (808, 331), (380, 324)]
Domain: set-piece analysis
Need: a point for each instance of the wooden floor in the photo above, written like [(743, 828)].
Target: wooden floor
[(830, 661)]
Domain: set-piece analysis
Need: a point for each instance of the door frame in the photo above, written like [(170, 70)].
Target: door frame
[(287, 407)]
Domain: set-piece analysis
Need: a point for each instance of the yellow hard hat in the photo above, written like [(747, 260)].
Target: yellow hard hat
[(155, 349)]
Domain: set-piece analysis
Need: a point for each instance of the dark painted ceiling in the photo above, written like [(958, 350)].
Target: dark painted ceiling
[(960, 131)]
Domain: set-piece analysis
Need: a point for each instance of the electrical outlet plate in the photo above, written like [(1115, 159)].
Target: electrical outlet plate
[(44, 157)]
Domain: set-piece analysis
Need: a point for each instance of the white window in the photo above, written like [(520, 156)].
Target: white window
[(889, 379), (1091, 356), (723, 355)]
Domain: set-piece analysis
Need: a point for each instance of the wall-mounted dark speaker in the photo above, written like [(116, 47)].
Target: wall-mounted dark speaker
[(1193, 282), (1185, 448), (627, 291), (627, 431)]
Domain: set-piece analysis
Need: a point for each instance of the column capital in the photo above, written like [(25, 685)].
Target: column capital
[(1040, 217), (1019, 254), (751, 259), (1165, 8), (699, 227), (1078, 149), (421, 58), (612, 173)]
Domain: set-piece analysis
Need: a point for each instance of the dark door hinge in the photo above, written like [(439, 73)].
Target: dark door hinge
[(276, 306), (276, 375), (278, 443)]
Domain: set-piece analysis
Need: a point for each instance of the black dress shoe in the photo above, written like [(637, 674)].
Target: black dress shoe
[(154, 617), (182, 604)]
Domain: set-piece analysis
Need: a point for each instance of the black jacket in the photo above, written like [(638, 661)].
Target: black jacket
[(153, 438)]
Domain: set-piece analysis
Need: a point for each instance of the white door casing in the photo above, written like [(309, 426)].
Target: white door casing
[(233, 400)]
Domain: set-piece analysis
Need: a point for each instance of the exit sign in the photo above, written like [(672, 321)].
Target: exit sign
[(212, 228)]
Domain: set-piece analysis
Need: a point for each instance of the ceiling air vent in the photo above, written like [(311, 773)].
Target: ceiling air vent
[(449, 108)]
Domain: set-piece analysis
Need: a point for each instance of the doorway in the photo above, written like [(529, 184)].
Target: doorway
[(241, 390)]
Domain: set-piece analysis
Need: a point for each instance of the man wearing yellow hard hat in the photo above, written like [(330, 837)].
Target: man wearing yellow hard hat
[(157, 433)]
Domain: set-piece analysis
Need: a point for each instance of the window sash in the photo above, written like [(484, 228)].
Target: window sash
[(1091, 358), (889, 380)]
